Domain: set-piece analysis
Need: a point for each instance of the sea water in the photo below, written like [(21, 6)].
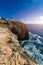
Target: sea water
[(34, 47)]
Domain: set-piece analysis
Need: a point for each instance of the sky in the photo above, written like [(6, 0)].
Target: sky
[(27, 11)]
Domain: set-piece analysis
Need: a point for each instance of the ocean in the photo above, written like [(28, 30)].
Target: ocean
[(34, 45)]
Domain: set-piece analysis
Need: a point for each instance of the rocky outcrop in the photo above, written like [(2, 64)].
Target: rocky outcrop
[(11, 53), (20, 30), (17, 28)]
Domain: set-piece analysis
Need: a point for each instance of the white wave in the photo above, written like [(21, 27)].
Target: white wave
[(34, 35), (38, 41), (31, 48), (34, 52), (30, 33)]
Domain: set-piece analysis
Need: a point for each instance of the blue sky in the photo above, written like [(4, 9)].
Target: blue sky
[(24, 10)]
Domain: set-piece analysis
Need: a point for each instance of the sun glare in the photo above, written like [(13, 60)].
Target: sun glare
[(35, 22), (39, 20)]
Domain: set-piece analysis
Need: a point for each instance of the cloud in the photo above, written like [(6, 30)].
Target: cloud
[(22, 19), (38, 20), (33, 20), (41, 17)]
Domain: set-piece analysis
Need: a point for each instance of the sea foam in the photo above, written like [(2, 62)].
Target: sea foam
[(34, 47)]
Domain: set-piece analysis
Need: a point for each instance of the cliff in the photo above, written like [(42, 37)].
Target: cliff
[(11, 53), (16, 27)]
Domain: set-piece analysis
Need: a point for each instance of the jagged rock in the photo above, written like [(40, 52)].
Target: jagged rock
[(20, 30), (11, 53), (16, 27)]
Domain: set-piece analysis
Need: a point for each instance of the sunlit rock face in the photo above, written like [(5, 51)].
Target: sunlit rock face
[(11, 53), (5, 55)]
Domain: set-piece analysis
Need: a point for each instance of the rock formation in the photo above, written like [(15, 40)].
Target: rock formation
[(11, 53), (19, 29)]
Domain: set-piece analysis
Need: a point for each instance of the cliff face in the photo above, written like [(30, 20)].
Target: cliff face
[(11, 53), (19, 29)]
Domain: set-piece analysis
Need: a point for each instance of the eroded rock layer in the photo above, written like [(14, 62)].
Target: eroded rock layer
[(11, 53)]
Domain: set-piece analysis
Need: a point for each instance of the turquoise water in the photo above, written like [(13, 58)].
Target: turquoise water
[(34, 47)]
